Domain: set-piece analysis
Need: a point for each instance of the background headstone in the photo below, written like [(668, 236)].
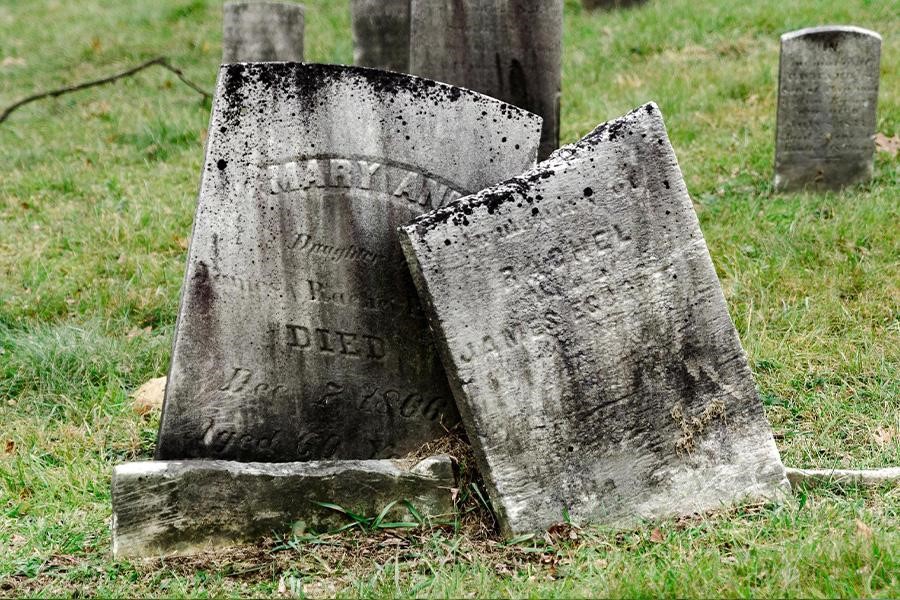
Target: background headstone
[(381, 34), (610, 4), (827, 98), (508, 49), (261, 31), (300, 335), (588, 341)]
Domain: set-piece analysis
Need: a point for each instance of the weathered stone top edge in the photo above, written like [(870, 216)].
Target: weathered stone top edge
[(297, 5), (378, 79), (516, 186), (829, 29), (273, 468)]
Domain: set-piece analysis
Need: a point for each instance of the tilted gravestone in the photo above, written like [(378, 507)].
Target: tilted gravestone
[(300, 335), (381, 34), (588, 341), (262, 31), (827, 97), (508, 49)]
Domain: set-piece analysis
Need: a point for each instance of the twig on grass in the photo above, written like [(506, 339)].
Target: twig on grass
[(160, 61)]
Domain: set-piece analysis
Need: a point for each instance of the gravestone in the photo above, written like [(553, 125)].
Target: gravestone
[(610, 4), (381, 34), (300, 335), (262, 31), (827, 96), (183, 507), (508, 49), (588, 342)]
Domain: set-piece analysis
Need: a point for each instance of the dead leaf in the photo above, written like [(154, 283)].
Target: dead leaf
[(135, 332), (282, 586), (601, 563), (149, 397), (883, 436), (863, 530), (887, 144), (95, 44), (12, 61), (10, 446), (656, 536)]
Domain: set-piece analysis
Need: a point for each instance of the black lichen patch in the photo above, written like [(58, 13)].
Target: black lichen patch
[(222, 163), (588, 192)]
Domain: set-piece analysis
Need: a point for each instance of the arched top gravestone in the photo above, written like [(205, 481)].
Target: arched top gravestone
[(260, 30), (827, 99), (299, 334), (588, 341)]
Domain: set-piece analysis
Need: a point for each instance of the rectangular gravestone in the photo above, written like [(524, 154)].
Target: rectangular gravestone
[(827, 97), (507, 49), (260, 31), (300, 335), (183, 507), (588, 342), (381, 34)]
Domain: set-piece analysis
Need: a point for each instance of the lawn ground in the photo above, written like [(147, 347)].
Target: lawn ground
[(97, 190)]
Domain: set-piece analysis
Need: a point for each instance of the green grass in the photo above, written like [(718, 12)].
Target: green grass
[(97, 191)]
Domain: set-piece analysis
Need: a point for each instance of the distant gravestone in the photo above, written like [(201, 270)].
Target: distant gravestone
[(262, 31), (588, 341), (610, 4), (381, 34), (300, 335), (827, 97), (508, 49)]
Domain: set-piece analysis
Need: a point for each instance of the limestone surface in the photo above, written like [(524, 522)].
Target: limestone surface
[(181, 507), (588, 341), (261, 31), (300, 335), (508, 49), (381, 34), (827, 99)]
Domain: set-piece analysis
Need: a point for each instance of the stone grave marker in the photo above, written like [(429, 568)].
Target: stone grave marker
[(610, 4), (588, 341), (260, 31), (300, 335), (381, 34), (508, 49), (827, 97)]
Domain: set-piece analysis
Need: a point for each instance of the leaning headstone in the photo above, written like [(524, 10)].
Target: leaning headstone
[(300, 335), (588, 342), (262, 31), (508, 49), (827, 97), (381, 34), (183, 507)]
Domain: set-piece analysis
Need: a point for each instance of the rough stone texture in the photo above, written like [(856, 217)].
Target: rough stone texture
[(827, 96), (381, 34), (300, 335), (610, 4), (587, 339), (182, 507), (508, 49), (262, 31)]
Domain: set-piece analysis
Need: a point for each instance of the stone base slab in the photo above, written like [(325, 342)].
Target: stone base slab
[(163, 508)]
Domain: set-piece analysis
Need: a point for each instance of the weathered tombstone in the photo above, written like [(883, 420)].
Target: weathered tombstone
[(381, 34), (183, 507), (508, 49), (827, 97), (300, 335), (609, 4), (262, 31), (587, 339)]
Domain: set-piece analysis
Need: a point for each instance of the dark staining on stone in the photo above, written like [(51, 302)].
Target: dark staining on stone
[(222, 163), (588, 192), (535, 211), (666, 183)]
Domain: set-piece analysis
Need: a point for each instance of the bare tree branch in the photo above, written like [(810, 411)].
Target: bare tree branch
[(160, 61)]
